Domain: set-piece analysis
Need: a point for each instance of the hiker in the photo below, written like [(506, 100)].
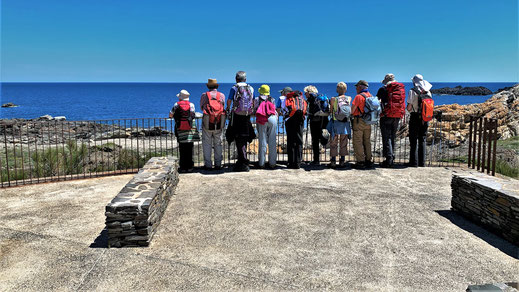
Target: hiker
[(361, 130), (241, 99), (212, 104), (266, 124), (339, 127), (420, 105), (318, 108), (184, 112), (392, 98), (280, 102), (295, 119)]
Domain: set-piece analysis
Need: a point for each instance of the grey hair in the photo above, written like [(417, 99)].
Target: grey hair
[(241, 76)]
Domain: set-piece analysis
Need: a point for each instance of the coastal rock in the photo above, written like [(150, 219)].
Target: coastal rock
[(45, 118), (60, 118), (9, 104), (503, 106), (505, 88), (459, 90)]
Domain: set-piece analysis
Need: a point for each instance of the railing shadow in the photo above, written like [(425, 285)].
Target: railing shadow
[(488, 236)]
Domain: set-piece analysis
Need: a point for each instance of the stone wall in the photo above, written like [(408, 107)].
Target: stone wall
[(490, 201), (133, 215)]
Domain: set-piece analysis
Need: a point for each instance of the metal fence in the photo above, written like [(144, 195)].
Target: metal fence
[(36, 151)]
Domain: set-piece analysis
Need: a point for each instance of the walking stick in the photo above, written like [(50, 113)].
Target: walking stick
[(306, 139)]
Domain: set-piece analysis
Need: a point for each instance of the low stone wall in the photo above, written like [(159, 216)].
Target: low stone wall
[(133, 215), (490, 201)]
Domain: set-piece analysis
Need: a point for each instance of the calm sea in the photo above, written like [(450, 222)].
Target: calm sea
[(89, 101)]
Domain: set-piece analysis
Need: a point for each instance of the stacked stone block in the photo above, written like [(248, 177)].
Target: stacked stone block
[(490, 201), (133, 216)]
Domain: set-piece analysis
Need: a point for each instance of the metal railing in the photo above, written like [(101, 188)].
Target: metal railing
[(482, 144), (36, 151)]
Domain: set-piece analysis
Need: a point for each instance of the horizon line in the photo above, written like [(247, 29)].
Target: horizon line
[(277, 82)]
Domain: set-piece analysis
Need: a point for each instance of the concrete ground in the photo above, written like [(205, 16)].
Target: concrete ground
[(351, 230)]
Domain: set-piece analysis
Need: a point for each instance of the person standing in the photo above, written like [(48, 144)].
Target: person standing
[(266, 124), (339, 127), (280, 102), (316, 119), (417, 126), (361, 130), (241, 99), (296, 112), (183, 112), (392, 98), (212, 104)]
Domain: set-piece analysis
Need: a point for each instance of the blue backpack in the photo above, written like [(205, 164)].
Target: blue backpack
[(372, 110)]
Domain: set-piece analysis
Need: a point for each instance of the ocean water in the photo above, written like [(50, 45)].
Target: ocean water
[(95, 101)]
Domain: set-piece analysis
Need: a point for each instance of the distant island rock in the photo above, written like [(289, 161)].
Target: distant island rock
[(506, 88), (9, 104), (459, 90)]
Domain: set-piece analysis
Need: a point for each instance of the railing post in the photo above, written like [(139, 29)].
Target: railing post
[(474, 143), (485, 129), (494, 137)]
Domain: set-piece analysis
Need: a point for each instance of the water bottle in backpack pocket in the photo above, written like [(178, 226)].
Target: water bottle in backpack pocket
[(371, 110)]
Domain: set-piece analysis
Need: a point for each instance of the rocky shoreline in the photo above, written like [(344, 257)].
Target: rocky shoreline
[(459, 90)]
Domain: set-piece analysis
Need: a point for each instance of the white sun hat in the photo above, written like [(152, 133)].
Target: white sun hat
[(422, 84)]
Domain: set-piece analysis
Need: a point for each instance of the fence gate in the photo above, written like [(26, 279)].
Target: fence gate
[(482, 144)]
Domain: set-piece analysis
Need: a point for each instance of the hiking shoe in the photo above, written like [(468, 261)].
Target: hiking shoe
[(342, 163), (241, 168), (368, 164), (217, 168), (206, 168), (409, 164), (359, 165), (333, 164), (386, 164), (315, 162)]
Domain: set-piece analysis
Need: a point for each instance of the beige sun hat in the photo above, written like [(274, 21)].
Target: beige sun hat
[(183, 94)]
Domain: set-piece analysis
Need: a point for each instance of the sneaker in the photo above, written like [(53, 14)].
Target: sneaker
[(342, 162), (368, 164), (207, 168), (315, 162), (387, 164), (217, 168), (333, 164), (241, 168), (410, 164)]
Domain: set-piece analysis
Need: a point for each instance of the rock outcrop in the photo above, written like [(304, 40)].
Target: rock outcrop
[(503, 106), (9, 104), (459, 90)]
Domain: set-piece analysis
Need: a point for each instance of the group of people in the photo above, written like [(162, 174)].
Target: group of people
[(332, 120)]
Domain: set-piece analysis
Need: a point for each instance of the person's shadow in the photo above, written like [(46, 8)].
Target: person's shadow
[(488, 236), (101, 241)]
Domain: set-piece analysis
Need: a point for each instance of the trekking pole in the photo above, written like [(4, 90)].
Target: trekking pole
[(306, 139)]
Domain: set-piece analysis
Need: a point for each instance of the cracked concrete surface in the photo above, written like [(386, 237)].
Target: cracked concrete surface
[(376, 230)]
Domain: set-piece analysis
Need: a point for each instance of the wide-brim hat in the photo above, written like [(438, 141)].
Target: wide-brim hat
[(211, 82), (419, 82), (264, 89), (388, 78), (286, 90), (362, 82), (183, 94)]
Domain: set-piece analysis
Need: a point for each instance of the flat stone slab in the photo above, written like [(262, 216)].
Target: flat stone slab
[(376, 230)]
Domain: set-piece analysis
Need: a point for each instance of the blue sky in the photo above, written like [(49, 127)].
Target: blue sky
[(274, 41)]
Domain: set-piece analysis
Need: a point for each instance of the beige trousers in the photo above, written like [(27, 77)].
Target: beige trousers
[(361, 140)]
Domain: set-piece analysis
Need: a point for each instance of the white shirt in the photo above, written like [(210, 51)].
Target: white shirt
[(413, 100)]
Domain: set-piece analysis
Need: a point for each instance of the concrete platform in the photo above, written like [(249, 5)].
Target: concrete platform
[(351, 230)]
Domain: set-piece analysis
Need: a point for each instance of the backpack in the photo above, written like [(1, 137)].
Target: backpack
[(371, 109), (425, 105), (343, 109), (243, 100), (395, 106), (318, 105), (296, 105), (214, 111), (182, 116), (264, 111)]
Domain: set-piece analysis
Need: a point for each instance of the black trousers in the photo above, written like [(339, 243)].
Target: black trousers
[(186, 155), (242, 130), (316, 131), (388, 128), (294, 127), (417, 135)]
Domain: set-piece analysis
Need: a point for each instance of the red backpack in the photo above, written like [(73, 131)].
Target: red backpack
[(425, 105), (214, 110), (395, 107), (182, 116), (296, 104)]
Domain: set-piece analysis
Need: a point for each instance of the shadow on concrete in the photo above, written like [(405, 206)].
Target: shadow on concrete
[(101, 241), (488, 236)]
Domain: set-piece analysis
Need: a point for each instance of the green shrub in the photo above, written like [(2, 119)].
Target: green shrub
[(504, 168)]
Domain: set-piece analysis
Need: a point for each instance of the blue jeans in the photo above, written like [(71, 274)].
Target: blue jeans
[(267, 136)]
